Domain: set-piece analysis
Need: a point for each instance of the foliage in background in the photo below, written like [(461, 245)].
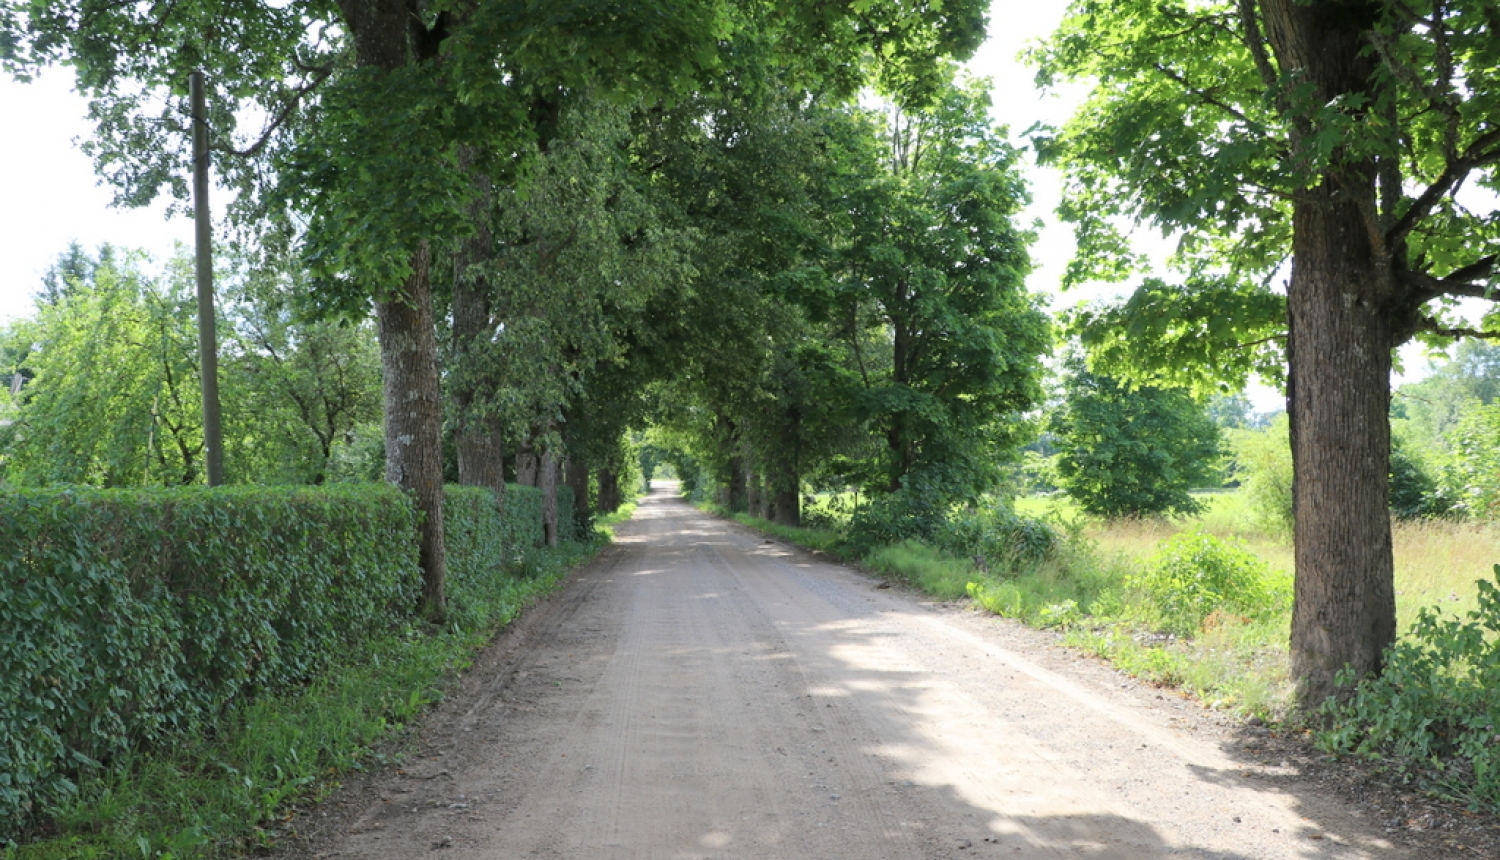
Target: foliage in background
[(1132, 451), (294, 392), (1470, 476), (112, 395), (1263, 465)]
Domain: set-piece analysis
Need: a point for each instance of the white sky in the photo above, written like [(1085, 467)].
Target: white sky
[(51, 196)]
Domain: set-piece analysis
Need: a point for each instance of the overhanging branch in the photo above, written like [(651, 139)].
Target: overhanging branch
[(1430, 325), (1461, 283), (1485, 150), (288, 108)]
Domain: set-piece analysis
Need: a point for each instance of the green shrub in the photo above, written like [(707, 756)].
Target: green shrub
[(997, 539), (1471, 477), (129, 614), (1263, 463), (1128, 450), (1435, 708), (1193, 574), (489, 545), (917, 511)]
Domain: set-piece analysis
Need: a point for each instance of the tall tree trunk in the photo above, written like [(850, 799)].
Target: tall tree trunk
[(576, 476), (788, 506), (1344, 612), (481, 455), (737, 490), (382, 31), (755, 490), (478, 440), (785, 485), (527, 466), (413, 420), (1343, 310), (609, 490), (547, 481)]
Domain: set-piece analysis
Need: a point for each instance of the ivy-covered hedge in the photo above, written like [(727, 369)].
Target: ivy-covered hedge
[(126, 615)]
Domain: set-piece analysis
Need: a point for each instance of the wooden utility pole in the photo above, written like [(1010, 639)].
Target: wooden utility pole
[(208, 344)]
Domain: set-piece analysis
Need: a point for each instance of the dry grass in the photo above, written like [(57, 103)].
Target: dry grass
[(1437, 561)]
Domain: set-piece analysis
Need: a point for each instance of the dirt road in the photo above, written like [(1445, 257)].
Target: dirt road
[(700, 692)]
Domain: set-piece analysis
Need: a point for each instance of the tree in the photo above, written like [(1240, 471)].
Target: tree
[(294, 389), (113, 399), (747, 167), (368, 104), (1132, 451), (935, 264), (1340, 135)]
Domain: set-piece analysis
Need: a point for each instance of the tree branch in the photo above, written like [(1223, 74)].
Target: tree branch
[(1256, 42), (287, 109), (1430, 325), (1206, 96), (1266, 339), (1459, 283), (1479, 154)]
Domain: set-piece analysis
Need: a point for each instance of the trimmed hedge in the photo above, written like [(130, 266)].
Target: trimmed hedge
[(127, 615)]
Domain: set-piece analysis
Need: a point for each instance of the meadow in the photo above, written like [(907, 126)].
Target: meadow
[(1089, 587), (1438, 561)]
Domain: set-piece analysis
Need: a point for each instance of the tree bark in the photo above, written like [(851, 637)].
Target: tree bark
[(413, 421), (527, 466), (547, 481), (481, 453), (756, 492), (1344, 312), (738, 497), (1344, 612), (788, 505), (609, 491), (576, 476)]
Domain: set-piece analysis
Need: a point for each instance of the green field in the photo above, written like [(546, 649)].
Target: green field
[(1437, 561)]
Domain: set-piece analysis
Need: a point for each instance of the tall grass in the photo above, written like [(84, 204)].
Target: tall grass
[(1234, 661), (942, 576), (1437, 563)]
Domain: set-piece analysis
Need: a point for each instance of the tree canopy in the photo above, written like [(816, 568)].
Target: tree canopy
[(1133, 451), (1353, 139), (402, 147)]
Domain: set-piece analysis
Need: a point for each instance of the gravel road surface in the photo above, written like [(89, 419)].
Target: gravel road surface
[(702, 692)]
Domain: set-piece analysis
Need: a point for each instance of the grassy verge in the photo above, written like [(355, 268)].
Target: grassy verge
[(605, 525), (822, 540), (1230, 661), (229, 791)]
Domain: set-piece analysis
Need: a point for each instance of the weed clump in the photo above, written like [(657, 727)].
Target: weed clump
[(1195, 575), (1435, 709)]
